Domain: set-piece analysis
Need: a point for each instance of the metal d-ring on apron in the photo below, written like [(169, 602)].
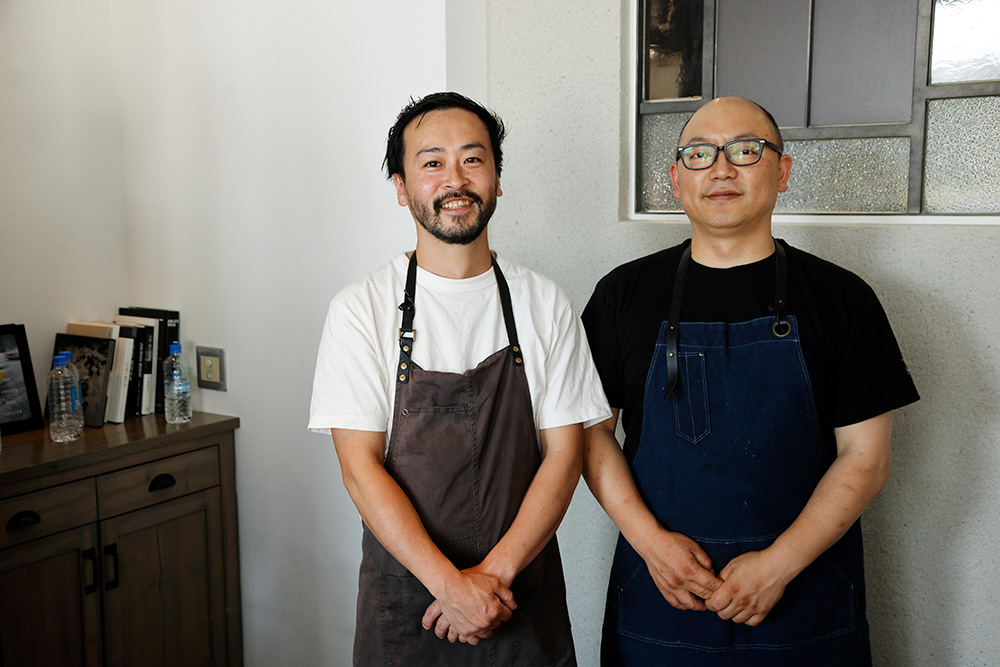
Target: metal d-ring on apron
[(729, 459), (781, 327), (464, 449)]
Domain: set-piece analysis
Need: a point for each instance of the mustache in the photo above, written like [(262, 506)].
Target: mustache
[(457, 194)]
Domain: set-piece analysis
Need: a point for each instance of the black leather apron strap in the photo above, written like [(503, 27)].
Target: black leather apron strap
[(508, 314), (781, 327), (407, 334), (674, 319)]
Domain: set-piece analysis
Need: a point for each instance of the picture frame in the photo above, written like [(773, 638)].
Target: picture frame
[(20, 409)]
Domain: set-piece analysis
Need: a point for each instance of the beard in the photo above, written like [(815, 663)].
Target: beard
[(459, 230)]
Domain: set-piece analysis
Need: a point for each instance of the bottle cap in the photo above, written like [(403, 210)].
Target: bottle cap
[(175, 348), (59, 361)]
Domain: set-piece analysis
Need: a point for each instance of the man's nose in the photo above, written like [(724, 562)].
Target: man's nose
[(455, 176), (722, 168)]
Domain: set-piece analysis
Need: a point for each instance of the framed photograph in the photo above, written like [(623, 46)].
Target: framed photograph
[(20, 409)]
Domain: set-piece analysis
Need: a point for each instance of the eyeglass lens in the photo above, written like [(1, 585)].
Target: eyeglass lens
[(740, 153)]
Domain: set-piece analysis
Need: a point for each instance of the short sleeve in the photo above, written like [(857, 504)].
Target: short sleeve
[(872, 377), (351, 373), (573, 392), (600, 321)]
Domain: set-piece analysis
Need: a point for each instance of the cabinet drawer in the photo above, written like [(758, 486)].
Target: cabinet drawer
[(46, 512), (144, 485)]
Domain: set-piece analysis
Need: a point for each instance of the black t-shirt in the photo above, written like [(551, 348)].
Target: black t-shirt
[(854, 363)]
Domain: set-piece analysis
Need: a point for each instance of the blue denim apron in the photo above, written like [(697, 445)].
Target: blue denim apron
[(729, 454)]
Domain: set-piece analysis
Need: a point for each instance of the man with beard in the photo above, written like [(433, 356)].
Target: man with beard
[(455, 384)]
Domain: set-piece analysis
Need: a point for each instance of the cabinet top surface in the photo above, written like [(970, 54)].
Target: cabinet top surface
[(33, 453)]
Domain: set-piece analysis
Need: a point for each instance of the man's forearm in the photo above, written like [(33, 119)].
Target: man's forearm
[(543, 506), (679, 567), (755, 581), (608, 476), (388, 512), (854, 479)]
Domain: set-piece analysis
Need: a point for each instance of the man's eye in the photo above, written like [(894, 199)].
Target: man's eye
[(432, 163), (472, 159)]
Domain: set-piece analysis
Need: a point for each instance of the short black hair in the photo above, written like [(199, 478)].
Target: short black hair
[(767, 114), (393, 162)]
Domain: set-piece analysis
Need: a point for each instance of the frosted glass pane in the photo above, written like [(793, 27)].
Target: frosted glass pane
[(659, 147), (963, 127), (847, 176), (675, 41), (964, 42)]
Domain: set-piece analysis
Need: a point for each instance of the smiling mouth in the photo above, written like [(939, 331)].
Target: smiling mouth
[(457, 201)]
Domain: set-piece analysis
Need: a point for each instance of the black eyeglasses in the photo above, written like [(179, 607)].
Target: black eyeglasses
[(740, 153)]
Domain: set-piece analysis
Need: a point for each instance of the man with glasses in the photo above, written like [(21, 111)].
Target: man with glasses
[(756, 385)]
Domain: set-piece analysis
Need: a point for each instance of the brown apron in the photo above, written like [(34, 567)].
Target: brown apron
[(464, 449)]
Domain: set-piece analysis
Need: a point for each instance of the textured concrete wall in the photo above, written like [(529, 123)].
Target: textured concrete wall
[(556, 74)]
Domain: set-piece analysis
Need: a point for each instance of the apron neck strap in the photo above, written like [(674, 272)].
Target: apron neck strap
[(508, 314), (673, 323), (781, 327), (407, 334)]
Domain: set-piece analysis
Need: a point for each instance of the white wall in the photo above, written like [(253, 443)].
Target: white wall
[(558, 73), (62, 245)]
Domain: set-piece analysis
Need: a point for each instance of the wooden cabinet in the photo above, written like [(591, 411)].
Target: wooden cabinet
[(121, 548)]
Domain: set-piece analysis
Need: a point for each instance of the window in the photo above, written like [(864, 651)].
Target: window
[(876, 101)]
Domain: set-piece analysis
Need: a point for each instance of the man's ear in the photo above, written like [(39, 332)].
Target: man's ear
[(673, 181), (784, 171), (397, 180), (499, 191)]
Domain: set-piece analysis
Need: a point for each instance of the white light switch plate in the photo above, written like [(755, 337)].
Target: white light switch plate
[(211, 368)]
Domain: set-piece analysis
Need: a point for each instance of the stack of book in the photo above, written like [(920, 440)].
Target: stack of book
[(121, 362)]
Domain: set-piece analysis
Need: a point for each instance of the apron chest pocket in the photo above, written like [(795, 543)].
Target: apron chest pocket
[(691, 415)]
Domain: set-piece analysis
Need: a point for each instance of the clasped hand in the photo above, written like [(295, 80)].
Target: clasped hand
[(744, 591), (753, 584), (471, 608)]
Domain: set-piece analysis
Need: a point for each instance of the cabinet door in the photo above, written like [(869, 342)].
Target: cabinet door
[(50, 608), (164, 591)]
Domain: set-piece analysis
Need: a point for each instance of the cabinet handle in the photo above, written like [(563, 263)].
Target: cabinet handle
[(112, 550), (23, 519), (162, 481), (91, 555)]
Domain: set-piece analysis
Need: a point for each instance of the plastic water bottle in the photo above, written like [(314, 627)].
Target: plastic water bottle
[(176, 388), (64, 413), (77, 393)]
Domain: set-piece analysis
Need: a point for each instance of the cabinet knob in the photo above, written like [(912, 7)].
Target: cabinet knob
[(23, 519)]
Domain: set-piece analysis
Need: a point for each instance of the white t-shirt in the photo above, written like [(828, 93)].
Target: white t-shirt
[(458, 324)]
